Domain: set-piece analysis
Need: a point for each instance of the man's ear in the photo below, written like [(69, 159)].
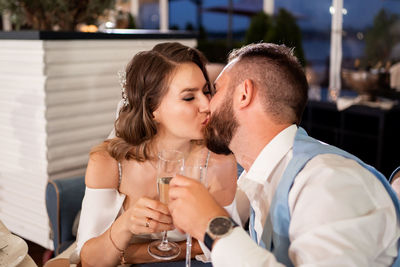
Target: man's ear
[(245, 93)]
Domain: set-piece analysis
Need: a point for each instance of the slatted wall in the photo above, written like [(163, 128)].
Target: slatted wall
[(57, 100)]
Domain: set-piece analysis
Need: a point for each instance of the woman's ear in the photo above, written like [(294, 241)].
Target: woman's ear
[(155, 115), (245, 93)]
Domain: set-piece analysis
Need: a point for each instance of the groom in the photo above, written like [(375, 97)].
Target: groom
[(308, 202)]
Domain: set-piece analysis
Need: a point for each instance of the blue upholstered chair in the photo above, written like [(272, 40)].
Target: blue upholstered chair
[(63, 202)]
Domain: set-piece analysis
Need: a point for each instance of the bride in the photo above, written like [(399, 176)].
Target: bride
[(165, 106)]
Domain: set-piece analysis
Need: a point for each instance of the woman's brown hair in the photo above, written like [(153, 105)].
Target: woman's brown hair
[(147, 79)]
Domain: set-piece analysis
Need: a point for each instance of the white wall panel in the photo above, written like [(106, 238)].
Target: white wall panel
[(57, 100)]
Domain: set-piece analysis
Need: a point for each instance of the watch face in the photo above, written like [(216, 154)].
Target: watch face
[(220, 226)]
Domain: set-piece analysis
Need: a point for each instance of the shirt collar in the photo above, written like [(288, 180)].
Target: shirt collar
[(271, 155)]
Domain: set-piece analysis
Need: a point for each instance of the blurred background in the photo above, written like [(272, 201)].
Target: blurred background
[(371, 28)]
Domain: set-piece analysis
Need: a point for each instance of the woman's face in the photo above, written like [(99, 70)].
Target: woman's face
[(183, 111)]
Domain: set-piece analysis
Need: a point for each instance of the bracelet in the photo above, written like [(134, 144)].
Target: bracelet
[(121, 252)]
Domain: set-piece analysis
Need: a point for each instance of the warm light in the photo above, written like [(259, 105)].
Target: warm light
[(88, 28), (360, 35)]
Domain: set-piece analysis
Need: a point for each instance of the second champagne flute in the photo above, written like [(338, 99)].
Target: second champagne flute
[(195, 169), (170, 163)]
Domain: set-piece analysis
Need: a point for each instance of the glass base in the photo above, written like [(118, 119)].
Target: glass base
[(168, 251)]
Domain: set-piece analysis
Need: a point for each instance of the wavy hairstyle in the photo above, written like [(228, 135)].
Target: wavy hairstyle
[(148, 76)]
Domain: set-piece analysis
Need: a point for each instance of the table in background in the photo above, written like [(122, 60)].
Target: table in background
[(372, 134)]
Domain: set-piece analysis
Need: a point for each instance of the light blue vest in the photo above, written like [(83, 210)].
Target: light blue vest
[(304, 149)]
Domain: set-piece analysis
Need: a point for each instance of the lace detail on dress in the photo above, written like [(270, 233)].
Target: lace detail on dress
[(119, 175), (208, 157), (206, 165)]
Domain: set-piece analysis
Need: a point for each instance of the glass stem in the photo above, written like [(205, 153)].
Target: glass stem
[(164, 241), (188, 250)]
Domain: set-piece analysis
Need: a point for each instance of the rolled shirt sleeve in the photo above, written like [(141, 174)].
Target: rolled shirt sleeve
[(239, 250)]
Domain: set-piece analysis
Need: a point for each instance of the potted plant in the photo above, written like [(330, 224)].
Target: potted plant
[(63, 15), (281, 29), (380, 40)]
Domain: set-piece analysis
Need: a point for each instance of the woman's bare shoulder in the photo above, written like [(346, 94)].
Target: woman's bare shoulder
[(102, 171)]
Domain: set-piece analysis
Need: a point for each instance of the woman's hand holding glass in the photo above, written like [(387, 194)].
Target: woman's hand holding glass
[(148, 216), (170, 163)]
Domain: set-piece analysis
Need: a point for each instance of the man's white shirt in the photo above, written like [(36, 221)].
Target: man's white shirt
[(341, 215)]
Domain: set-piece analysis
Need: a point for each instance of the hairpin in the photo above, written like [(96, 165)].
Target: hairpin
[(122, 82)]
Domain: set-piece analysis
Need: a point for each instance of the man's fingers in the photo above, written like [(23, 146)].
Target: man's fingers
[(179, 192), (180, 180)]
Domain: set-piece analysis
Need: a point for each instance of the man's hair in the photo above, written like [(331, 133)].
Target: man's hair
[(277, 74)]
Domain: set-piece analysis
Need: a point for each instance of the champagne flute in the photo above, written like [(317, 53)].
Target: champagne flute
[(195, 169), (170, 163)]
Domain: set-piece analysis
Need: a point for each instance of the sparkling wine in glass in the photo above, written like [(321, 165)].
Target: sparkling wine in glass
[(170, 163)]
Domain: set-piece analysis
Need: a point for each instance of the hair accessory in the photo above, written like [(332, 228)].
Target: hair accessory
[(122, 82)]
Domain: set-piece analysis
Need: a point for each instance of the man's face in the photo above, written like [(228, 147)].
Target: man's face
[(222, 125)]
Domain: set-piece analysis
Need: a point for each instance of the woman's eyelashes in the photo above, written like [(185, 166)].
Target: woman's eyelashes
[(190, 94), (188, 98)]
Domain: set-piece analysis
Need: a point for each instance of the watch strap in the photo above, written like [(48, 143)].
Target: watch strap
[(208, 241)]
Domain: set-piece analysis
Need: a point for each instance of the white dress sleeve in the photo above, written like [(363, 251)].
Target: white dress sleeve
[(100, 208)]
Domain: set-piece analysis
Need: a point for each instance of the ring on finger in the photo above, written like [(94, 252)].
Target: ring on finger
[(148, 222)]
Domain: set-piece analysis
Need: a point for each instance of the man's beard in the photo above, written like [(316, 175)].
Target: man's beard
[(220, 129)]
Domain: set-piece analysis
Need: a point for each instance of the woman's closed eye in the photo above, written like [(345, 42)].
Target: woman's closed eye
[(189, 94), (188, 98)]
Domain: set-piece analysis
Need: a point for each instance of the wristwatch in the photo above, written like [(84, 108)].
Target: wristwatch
[(218, 227)]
